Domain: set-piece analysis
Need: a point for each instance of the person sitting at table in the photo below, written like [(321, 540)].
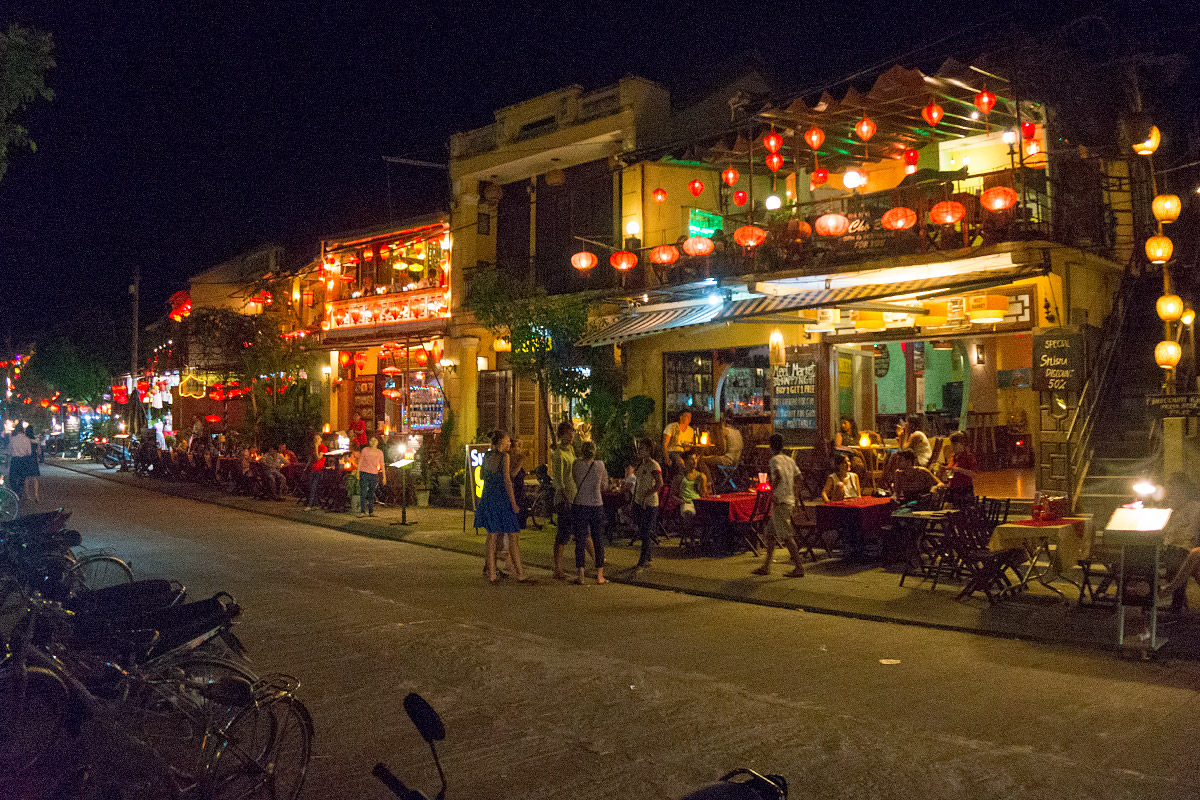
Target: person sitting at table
[(678, 437), (842, 484), (782, 472), (690, 484), (732, 445), (959, 471), (909, 481), (913, 438), (847, 435), (274, 462), (1181, 551)]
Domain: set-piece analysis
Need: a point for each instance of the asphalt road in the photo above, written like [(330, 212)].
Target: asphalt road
[(555, 690)]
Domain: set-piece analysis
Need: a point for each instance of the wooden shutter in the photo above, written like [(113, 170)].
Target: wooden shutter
[(525, 410), (494, 399)]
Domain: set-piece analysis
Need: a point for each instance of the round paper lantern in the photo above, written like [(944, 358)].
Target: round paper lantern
[(749, 236), (740, 198), (773, 142), (800, 229), (730, 176), (947, 212), (695, 186), (44, 403), (391, 394), (368, 255), (212, 419), (583, 260), (623, 260), (998, 198), (853, 178), (422, 357), (865, 128), (831, 225), (898, 219), (698, 246), (344, 358), (985, 101), (932, 114), (814, 137), (384, 252), (1169, 307), (774, 162), (1166, 208), (773, 202), (664, 254), (1028, 130), (991, 310), (911, 157), (1159, 249), (1167, 353), (659, 195), (820, 176), (1151, 143)]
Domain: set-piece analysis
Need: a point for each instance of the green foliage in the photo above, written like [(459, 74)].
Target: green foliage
[(615, 425), (26, 55), (61, 366)]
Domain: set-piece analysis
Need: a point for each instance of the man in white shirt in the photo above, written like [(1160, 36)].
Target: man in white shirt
[(678, 437), (782, 471), (20, 448), (562, 459)]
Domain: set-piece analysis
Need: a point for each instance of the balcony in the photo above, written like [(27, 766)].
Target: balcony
[(388, 316)]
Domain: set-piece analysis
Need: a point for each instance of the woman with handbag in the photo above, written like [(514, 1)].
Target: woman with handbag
[(587, 512)]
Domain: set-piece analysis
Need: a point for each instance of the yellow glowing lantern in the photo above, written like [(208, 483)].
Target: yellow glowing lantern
[(869, 321), (1159, 249), (988, 309), (1188, 317), (1151, 143), (1169, 307), (502, 346), (1166, 208), (1167, 353), (937, 316), (776, 352), (864, 441)]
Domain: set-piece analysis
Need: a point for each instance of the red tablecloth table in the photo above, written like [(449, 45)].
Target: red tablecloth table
[(855, 518), (732, 507)]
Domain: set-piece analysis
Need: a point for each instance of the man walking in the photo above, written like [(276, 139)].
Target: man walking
[(370, 474), (20, 448), (562, 460), (647, 483), (782, 471)]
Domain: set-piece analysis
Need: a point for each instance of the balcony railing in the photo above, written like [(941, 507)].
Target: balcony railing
[(389, 309)]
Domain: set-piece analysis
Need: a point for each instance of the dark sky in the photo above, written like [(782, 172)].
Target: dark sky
[(184, 133)]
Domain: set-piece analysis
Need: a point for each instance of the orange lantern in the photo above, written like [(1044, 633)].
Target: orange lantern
[(212, 419), (865, 128), (820, 176), (985, 101), (947, 212), (1159, 249), (360, 361), (800, 229), (623, 260), (773, 142), (814, 137), (391, 394), (740, 198), (932, 114), (749, 236), (344, 357), (659, 195), (44, 403), (998, 198), (695, 186), (832, 225), (698, 246), (391, 370), (368, 255), (898, 219), (664, 254), (583, 261), (774, 162), (730, 176), (422, 357)]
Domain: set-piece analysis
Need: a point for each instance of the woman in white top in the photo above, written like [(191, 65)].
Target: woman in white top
[(842, 484), (587, 510)]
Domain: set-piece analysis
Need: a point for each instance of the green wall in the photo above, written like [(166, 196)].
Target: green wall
[(890, 388)]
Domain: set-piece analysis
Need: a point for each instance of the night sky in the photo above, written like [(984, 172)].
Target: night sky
[(184, 133)]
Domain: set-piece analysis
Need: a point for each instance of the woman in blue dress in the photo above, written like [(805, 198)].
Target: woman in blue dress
[(497, 509)]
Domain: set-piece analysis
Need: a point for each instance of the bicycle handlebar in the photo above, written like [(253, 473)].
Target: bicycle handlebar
[(396, 786)]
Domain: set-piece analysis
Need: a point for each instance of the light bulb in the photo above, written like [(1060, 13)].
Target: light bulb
[(632, 228), (772, 202), (1010, 137)]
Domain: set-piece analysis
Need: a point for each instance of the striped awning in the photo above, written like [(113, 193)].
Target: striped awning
[(648, 323)]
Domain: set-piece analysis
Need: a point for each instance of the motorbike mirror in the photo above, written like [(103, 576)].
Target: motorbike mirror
[(426, 720)]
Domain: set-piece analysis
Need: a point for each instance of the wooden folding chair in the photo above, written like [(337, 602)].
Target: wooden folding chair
[(752, 529), (987, 571)]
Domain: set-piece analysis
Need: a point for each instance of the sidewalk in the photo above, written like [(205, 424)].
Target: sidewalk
[(830, 586)]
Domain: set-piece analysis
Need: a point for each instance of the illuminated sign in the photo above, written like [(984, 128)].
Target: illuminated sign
[(703, 223), (475, 453), (389, 309)]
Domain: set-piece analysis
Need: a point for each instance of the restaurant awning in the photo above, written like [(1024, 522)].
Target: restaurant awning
[(842, 289)]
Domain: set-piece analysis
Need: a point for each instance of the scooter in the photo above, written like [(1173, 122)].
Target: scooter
[(741, 784)]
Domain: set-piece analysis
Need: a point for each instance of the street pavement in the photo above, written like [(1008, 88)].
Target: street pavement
[(620, 691)]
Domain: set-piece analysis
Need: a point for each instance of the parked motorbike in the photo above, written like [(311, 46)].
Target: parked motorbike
[(741, 784)]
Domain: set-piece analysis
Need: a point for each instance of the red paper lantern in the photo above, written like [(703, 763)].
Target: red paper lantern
[(391, 370), (832, 225), (773, 142), (947, 212), (695, 186), (774, 162), (740, 198), (436, 350), (360, 361), (659, 195), (344, 357), (814, 137), (623, 260), (865, 128), (698, 246), (44, 403), (664, 254), (898, 219), (1028, 130), (368, 255), (730, 176), (749, 236), (384, 252), (54, 408), (212, 419), (422, 357), (391, 394), (800, 229), (985, 101), (583, 261), (820, 176), (911, 157), (932, 114), (998, 198)]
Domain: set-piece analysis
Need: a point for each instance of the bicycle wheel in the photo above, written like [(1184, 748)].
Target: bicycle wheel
[(98, 572), (32, 706), (291, 750), (241, 767), (9, 503)]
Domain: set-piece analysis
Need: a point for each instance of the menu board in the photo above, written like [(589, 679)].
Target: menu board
[(364, 400), (794, 393), (1058, 362), (1173, 405)]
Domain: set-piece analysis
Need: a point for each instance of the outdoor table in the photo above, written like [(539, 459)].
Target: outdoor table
[(717, 514), (924, 529), (1072, 538), (855, 517)]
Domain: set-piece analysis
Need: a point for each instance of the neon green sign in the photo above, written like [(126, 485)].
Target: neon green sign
[(703, 223)]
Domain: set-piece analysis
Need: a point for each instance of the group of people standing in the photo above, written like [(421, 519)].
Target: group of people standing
[(24, 452)]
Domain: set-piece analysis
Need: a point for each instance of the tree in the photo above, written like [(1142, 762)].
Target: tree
[(26, 55), (61, 366), (542, 329)]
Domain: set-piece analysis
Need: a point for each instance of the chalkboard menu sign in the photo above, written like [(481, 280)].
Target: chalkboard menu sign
[(794, 393), (1058, 362), (1173, 405)]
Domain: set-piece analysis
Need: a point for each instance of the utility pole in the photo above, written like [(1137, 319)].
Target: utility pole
[(134, 403)]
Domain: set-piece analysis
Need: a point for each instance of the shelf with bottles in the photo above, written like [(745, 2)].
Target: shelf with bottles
[(688, 382)]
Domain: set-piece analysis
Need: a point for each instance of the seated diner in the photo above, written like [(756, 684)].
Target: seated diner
[(842, 483), (909, 481)]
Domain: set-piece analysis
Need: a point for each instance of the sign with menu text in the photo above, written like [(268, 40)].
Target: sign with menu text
[(1058, 362), (794, 393)]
